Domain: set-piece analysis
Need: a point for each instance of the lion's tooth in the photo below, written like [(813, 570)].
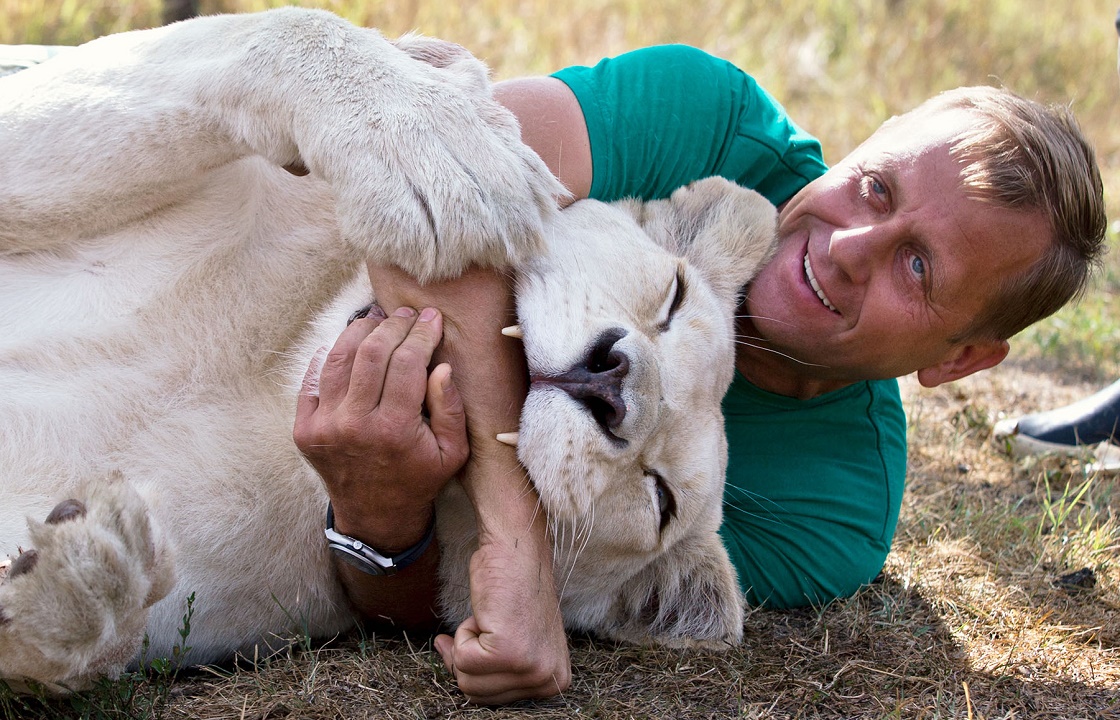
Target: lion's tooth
[(513, 331), (509, 438)]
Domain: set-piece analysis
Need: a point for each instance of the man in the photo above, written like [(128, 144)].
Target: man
[(937, 239)]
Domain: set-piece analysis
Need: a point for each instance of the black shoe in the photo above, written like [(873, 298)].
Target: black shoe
[(1091, 421)]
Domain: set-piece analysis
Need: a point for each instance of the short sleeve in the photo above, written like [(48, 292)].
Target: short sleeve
[(665, 116)]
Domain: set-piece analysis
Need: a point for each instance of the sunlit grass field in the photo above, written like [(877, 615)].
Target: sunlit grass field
[(969, 619)]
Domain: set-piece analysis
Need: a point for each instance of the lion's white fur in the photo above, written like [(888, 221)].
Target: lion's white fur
[(163, 282)]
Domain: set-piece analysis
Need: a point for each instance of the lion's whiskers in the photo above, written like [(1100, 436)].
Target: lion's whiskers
[(762, 317), (776, 352), (742, 340), (759, 500), (565, 553)]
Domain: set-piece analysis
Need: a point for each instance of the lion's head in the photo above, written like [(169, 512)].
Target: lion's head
[(628, 324)]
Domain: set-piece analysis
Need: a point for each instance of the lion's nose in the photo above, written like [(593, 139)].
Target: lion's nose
[(596, 381)]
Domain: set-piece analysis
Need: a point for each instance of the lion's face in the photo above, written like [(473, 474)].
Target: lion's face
[(628, 325)]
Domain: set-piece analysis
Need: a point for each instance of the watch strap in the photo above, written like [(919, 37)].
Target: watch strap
[(370, 561)]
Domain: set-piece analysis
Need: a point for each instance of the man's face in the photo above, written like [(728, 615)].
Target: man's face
[(885, 258)]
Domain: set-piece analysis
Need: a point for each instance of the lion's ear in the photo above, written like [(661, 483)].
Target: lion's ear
[(724, 230), (687, 597)]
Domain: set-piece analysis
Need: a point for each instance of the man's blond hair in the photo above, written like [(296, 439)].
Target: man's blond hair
[(1024, 155)]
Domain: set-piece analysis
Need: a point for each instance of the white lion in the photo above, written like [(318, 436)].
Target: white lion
[(164, 280)]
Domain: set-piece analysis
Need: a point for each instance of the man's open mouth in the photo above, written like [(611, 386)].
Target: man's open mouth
[(816, 286)]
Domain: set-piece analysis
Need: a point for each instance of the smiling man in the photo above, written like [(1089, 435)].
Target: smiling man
[(942, 235), (876, 275)]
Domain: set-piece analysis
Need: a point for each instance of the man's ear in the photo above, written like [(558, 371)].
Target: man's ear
[(965, 360)]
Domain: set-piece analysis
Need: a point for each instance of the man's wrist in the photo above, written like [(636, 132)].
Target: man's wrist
[(368, 559), (389, 530), (510, 515)]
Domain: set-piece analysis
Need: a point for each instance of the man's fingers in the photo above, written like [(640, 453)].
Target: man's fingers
[(308, 398), (505, 697), (373, 359), (447, 417), (406, 378), (446, 648), (334, 380), (310, 385), (488, 679), (475, 672), (449, 647), (507, 687)]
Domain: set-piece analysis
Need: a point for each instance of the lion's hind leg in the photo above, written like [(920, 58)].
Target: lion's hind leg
[(74, 606)]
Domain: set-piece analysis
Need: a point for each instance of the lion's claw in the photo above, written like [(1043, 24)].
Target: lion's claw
[(66, 510), (75, 605), (25, 563)]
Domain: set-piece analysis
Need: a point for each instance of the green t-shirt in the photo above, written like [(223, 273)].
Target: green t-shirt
[(813, 486), (813, 489), (664, 116)]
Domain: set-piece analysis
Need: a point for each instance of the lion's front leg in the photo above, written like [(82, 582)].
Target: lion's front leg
[(428, 171), (73, 606)]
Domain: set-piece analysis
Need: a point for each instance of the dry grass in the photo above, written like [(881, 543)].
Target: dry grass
[(841, 68), (969, 619)]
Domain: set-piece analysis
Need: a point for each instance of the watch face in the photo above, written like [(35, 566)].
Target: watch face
[(370, 568), (367, 559)]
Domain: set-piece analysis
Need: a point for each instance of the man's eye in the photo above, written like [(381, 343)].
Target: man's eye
[(918, 265), (873, 189)]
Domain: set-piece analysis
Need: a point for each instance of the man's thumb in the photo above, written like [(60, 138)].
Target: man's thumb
[(446, 414)]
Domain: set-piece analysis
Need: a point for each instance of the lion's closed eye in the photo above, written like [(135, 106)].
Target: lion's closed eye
[(673, 299), (664, 503)]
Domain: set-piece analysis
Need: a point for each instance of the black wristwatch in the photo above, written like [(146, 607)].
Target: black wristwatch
[(368, 560)]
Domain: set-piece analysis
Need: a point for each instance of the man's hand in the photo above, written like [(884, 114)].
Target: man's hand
[(359, 422), (514, 646)]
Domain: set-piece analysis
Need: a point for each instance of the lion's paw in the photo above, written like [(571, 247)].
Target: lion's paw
[(436, 178), (74, 607)]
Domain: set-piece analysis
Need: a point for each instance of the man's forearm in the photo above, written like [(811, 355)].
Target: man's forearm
[(490, 374), (513, 646)]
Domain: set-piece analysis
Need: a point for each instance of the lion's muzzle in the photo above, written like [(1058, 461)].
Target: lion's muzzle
[(596, 381)]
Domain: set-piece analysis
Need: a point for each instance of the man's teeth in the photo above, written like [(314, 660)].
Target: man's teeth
[(816, 286)]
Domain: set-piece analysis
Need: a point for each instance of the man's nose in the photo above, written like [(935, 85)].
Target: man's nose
[(856, 251)]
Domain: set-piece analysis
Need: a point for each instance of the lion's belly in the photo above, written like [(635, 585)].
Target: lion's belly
[(192, 401), (241, 511)]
